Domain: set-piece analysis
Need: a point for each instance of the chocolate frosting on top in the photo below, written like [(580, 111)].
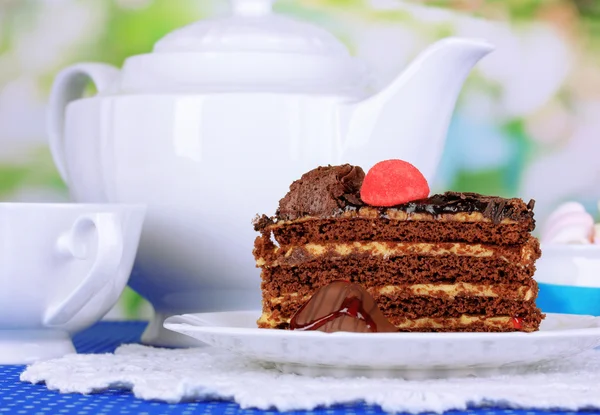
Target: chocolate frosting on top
[(323, 192), (330, 191), (492, 207)]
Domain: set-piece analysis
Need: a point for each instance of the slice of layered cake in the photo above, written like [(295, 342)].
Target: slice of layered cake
[(447, 262)]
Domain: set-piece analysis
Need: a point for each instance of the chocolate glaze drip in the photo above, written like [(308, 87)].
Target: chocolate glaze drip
[(341, 306)]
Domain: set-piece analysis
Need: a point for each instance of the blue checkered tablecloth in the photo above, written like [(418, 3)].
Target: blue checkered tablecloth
[(22, 398)]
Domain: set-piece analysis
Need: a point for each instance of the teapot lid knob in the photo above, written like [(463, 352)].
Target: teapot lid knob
[(251, 8)]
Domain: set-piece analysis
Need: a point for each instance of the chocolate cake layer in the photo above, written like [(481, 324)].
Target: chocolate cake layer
[(425, 306), (511, 291), (269, 256), (381, 229), (395, 271)]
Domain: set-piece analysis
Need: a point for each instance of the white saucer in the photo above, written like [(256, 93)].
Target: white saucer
[(408, 355)]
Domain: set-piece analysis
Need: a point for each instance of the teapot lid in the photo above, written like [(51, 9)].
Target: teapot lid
[(252, 49)]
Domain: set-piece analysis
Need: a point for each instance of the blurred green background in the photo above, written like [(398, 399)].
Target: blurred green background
[(527, 123)]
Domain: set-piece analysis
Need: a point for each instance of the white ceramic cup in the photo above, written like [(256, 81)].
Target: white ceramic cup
[(569, 265), (62, 267)]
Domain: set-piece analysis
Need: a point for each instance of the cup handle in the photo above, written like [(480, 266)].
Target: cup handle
[(69, 85), (109, 253)]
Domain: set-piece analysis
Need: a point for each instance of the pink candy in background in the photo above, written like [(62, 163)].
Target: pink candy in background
[(570, 223)]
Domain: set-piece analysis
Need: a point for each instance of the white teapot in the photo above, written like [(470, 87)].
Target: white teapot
[(212, 127)]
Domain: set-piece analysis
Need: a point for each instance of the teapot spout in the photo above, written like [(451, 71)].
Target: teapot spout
[(409, 118)]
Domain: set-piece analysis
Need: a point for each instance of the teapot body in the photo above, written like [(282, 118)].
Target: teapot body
[(205, 165), (212, 127)]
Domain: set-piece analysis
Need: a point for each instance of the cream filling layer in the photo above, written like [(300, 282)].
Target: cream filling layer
[(455, 322), (394, 249), (424, 322), (460, 289), (463, 289), (400, 215), (397, 214)]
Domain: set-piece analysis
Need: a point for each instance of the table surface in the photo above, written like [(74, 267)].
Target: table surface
[(23, 398)]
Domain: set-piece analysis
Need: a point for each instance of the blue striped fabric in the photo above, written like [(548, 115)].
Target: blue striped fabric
[(18, 398)]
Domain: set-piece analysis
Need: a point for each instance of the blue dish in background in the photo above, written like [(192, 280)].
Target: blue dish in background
[(569, 279), (568, 299)]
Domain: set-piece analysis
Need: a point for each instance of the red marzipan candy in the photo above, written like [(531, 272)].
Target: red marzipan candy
[(393, 182)]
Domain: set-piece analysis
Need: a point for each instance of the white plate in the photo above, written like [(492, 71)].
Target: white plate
[(409, 355)]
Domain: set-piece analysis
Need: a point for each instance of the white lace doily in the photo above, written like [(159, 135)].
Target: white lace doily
[(196, 374)]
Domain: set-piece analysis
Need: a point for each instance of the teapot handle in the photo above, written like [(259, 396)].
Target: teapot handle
[(70, 85)]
